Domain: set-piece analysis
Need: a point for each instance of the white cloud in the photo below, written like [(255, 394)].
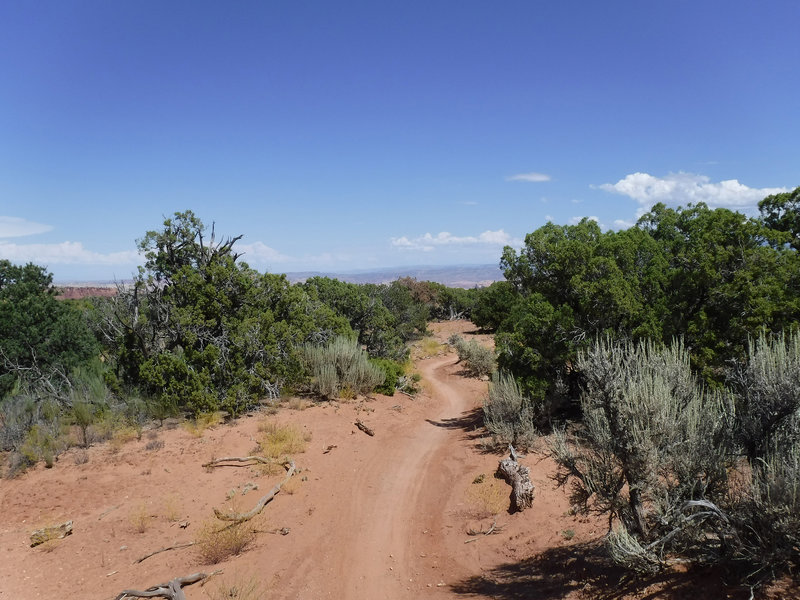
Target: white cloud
[(17, 227), (530, 177), (685, 188), (576, 220), (623, 224), (259, 252), (64, 253), (429, 242)]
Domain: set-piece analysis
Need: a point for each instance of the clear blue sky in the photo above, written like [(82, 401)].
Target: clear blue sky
[(346, 135)]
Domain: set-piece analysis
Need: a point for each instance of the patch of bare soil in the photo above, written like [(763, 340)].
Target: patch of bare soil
[(413, 511)]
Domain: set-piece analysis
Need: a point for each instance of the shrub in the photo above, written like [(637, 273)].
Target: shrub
[(478, 360), (340, 364), (203, 421), (279, 441), (766, 516), (508, 415), (652, 451), (392, 372), (216, 543)]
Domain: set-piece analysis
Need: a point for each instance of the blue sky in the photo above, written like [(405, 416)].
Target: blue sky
[(346, 135)]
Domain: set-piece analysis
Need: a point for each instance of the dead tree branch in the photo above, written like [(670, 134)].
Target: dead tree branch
[(366, 429), (242, 517), (167, 549), (171, 590), (245, 460)]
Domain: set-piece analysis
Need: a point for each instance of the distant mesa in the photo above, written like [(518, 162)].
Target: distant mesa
[(461, 276)]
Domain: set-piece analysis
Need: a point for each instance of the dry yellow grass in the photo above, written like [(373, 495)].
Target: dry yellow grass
[(279, 441), (216, 542), (171, 507), (139, 517), (488, 498), (203, 421), (238, 587)]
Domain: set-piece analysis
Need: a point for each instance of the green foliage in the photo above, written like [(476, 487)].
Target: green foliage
[(652, 442), (440, 301), (200, 331), (508, 415), (392, 371), (711, 277), (477, 359), (41, 338), (365, 311), (781, 213), (341, 365), (768, 396), (493, 305)]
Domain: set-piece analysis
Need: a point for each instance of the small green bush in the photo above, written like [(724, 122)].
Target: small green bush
[(341, 365), (392, 371), (478, 360), (508, 415)]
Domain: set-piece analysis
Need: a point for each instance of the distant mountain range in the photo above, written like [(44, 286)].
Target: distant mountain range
[(463, 276)]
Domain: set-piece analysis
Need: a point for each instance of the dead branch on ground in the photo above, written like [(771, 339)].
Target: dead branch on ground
[(246, 461), (242, 517), (494, 529), (366, 429), (171, 590), (167, 549)]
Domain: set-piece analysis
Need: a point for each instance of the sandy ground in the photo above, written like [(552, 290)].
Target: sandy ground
[(386, 517)]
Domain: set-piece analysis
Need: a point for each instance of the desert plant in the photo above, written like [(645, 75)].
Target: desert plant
[(340, 364), (279, 441), (139, 517), (392, 371), (653, 447), (216, 543), (478, 360), (203, 421), (508, 415), (766, 515), (486, 498), (238, 589)]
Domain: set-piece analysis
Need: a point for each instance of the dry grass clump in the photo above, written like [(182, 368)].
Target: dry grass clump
[(279, 441), (295, 403), (238, 588), (486, 497), (122, 436), (428, 346), (215, 544), (139, 517), (203, 421), (171, 506)]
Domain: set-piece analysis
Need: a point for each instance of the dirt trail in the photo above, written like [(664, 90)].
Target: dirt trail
[(388, 539)]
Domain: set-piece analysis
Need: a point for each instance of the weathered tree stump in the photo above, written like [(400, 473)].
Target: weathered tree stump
[(519, 478)]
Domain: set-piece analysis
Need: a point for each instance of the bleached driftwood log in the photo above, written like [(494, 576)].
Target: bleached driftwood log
[(242, 517), (171, 590), (519, 478)]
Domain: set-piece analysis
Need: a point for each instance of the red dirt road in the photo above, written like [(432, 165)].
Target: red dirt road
[(393, 516)]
